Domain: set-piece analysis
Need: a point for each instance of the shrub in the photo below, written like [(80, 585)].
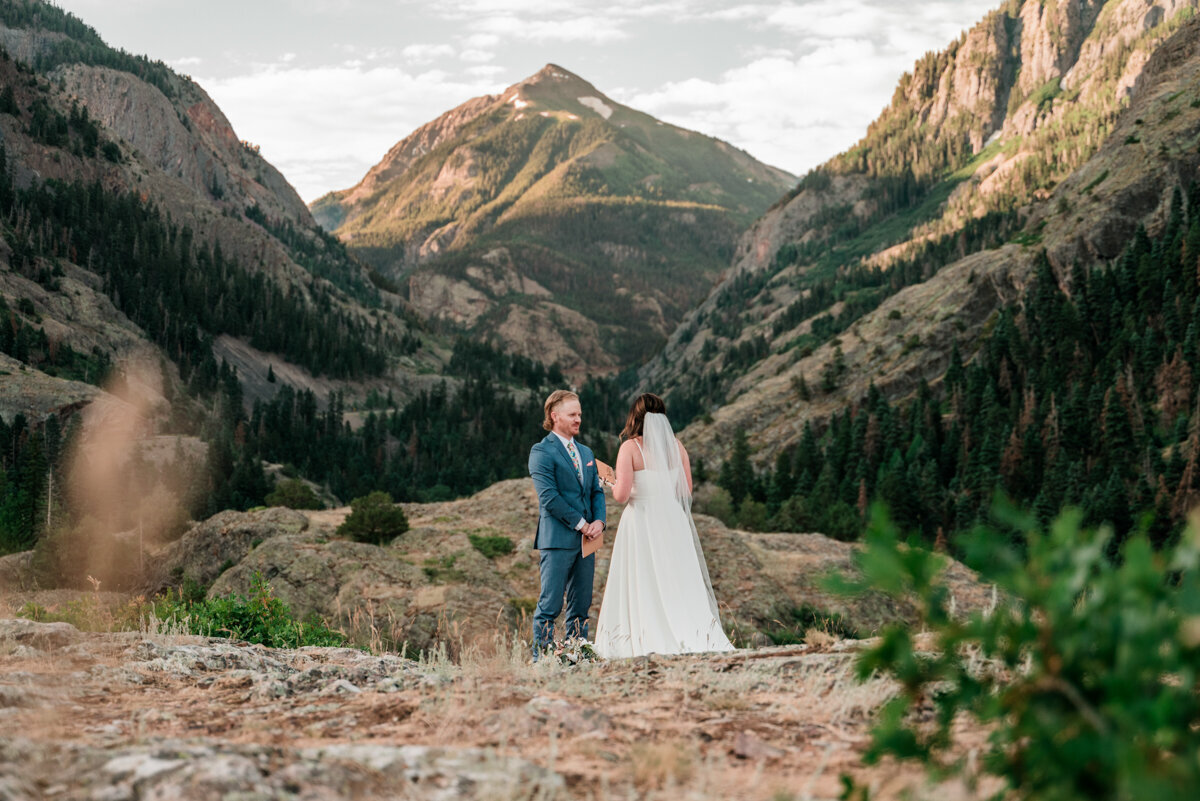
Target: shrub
[(712, 500), (491, 547), (441, 570), (1085, 673), (753, 515), (294, 494), (261, 618), (374, 518), (792, 624)]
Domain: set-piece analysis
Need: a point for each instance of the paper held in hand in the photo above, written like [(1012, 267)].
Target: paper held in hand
[(607, 476), (592, 545)]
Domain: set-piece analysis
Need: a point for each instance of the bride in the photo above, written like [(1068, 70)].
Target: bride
[(658, 598)]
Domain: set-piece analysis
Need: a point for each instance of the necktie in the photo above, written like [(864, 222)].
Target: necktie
[(575, 459)]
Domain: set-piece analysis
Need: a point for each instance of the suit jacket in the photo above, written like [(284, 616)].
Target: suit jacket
[(562, 500)]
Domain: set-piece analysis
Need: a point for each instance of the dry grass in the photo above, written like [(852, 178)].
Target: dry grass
[(762, 725), (655, 766)]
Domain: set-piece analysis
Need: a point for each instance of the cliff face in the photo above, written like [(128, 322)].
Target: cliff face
[(190, 140), (554, 221), (1053, 126)]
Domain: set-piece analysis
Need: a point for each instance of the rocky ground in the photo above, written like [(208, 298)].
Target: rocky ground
[(163, 714), (141, 716)]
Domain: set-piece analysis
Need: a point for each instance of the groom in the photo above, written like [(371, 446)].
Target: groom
[(570, 507)]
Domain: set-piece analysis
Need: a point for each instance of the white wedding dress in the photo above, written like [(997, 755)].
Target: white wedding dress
[(658, 597)]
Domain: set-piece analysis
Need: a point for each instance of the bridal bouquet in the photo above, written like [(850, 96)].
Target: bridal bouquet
[(575, 650)]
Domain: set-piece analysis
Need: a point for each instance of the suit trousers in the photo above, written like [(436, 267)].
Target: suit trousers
[(563, 571)]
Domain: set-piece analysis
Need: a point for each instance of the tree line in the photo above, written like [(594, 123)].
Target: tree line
[(1083, 394)]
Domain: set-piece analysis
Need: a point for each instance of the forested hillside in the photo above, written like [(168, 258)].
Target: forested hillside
[(976, 140), (1047, 352), (1083, 394), (120, 268)]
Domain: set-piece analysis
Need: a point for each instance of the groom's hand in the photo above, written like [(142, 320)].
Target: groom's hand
[(593, 529)]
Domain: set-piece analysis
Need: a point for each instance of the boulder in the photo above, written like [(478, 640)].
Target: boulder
[(43, 636)]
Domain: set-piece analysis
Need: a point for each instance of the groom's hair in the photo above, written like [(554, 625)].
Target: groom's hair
[(556, 397)]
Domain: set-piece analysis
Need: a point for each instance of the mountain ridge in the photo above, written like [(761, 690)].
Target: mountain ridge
[(973, 189), (547, 185)]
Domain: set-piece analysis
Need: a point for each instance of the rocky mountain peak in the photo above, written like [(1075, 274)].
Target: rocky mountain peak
[(553, 88), (555, 74)]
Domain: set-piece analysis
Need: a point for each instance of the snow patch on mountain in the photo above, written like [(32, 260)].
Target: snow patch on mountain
[(597, 105)]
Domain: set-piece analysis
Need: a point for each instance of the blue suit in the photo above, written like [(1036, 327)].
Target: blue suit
[(562, 502)]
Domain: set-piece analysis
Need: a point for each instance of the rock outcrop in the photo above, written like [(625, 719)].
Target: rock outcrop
[(211, 547), (432, 586)]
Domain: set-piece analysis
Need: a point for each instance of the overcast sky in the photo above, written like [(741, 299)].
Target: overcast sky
[(325, 87)]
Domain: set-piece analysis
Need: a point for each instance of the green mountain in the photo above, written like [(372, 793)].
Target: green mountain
[(990, 290), (554, 221), (152, 262)]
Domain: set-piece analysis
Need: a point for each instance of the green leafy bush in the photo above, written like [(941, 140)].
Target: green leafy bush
[(491, 547), (1085, 673), (261, 618), (374, 518), (294, 494)]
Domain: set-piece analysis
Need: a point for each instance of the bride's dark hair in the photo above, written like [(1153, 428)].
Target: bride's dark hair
[(645, 404)]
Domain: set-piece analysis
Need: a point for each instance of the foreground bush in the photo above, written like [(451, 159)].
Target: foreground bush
[(375, 519), (1085, 673), (261, 618)]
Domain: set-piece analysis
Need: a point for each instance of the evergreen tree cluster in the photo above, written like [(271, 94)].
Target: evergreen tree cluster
[(1084, 394), (480, 359), (80, 43), (30, 345), (859, 289), (180, 292), (443, 444), (27, 454)]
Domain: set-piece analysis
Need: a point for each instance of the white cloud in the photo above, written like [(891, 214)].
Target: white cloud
[(476, 55), (595, 30), (186, 61), (457, 9), (481, 41), (797, 107), (348, 116), (485, 70), (790, 112), (426, 53)]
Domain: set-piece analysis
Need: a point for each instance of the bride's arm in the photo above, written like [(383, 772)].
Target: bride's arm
[(687, 465), (624, 471)]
